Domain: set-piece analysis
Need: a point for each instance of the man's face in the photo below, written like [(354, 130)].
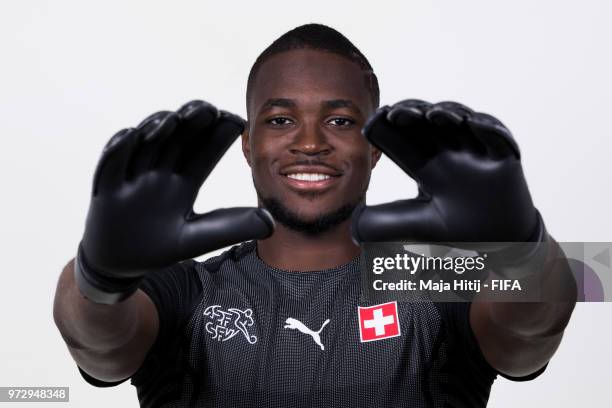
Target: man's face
[(304, 142)]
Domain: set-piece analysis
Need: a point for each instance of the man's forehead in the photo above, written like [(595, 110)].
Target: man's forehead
[(293, 76)]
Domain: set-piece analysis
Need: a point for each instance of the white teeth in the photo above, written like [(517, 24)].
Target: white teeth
[(308, 176)]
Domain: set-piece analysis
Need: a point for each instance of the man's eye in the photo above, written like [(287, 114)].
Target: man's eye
[(341, 122), (280, 121)]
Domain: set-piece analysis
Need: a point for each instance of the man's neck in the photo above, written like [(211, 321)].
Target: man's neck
[(294, 251)]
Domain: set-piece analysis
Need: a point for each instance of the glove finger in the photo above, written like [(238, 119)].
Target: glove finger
[(194, 118), (404, 220), (452, 132), (401, 132), (417, 104), (459, 109), (154, 133), (208, 147), (405, 116), (220, 228), (408, 112), (494, 135), (112, 166)]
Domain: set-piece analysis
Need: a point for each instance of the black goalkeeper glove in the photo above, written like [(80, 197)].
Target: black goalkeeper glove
[(471, 183), (141, 215)]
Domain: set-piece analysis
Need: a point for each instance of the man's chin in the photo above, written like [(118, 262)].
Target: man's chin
[(310, 224)]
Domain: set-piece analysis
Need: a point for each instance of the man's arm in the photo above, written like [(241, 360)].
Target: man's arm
[(109, 342), (519, 338), (140, 222), (473, 193)]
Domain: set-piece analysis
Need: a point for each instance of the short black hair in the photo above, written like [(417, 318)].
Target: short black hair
[(317, 37)]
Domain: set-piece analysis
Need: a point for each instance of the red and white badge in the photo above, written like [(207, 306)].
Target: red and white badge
[(378, 322)]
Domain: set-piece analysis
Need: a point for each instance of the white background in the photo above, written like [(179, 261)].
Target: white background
[(74, 72)]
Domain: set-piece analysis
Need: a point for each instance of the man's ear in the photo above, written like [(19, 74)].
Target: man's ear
[(246, 148), (376, 153)]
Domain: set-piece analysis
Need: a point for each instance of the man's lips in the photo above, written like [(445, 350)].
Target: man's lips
[(310, 178), (325, 169)]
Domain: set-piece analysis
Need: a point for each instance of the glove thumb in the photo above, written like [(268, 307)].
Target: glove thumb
[(223, 227), (403, 220)]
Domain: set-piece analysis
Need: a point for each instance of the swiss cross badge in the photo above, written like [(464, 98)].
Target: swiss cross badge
[(378, 322)]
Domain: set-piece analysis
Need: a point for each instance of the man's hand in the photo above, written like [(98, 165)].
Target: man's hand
[(141, 213), (472, 189), (468, 169)]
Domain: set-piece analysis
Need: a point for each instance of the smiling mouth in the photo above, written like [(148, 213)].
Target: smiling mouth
[(311, 182), (308, 176)]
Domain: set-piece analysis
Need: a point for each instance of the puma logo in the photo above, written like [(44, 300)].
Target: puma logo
[(295, 324)]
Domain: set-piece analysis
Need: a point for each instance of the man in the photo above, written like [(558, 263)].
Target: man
[(274, 322)]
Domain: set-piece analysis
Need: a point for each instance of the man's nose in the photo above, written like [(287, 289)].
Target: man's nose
[(310, 140)]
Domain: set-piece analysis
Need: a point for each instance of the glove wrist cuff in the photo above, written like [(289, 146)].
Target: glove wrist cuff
[(99, 287), (524, 259)]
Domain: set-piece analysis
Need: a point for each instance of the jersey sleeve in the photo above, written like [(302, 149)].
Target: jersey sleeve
[(456, 317), (174, 292)]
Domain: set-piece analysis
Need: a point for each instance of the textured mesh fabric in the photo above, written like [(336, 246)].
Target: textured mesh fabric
[(223, 342)]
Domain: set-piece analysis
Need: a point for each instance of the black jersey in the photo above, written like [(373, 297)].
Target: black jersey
[(235, 332)]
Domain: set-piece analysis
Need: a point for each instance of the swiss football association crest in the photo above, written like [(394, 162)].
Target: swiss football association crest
[(378, 322), (225, 324)]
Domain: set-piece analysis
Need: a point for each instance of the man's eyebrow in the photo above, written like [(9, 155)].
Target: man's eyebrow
[(341, 103), (338, 103), (277, 102), (290, 103)]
